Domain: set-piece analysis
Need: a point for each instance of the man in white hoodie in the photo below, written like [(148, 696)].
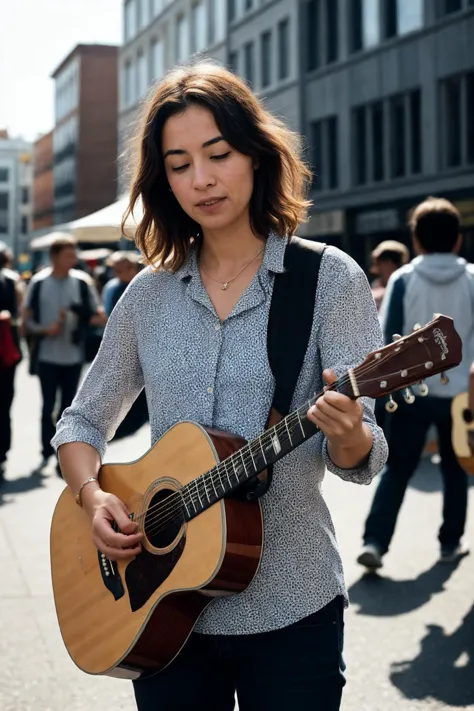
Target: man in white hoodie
[(437, 280)]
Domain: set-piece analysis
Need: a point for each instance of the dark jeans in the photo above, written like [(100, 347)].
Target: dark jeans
[(408, 428), (296, 668), (7, 391), (52, 377)]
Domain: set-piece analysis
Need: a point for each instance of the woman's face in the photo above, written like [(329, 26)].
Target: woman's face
[(212, 181)]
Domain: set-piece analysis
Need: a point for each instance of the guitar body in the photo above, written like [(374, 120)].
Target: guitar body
[(131, 618), (463, 423)]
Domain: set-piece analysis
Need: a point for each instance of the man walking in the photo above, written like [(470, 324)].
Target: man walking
[(10, 303), (61, 303), (437, 280)]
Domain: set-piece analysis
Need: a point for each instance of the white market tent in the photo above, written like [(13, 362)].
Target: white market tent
[(99, 227)]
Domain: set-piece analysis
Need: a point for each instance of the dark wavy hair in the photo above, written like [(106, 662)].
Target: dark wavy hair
[(279, 199)]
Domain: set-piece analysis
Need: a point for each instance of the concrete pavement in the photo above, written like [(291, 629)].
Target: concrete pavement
[(409, 632)]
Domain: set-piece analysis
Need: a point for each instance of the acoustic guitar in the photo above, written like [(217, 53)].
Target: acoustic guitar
[(132, 617), (463, 424)]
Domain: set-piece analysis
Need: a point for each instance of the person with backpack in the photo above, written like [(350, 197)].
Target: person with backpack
[(60, 304), (10, 353), (436, 281), (223, 189)]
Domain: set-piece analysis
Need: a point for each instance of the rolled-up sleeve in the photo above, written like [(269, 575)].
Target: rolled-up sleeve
[(349, 331), (110, 387)]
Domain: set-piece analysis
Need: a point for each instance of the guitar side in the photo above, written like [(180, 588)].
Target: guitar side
[(460, 430), (139, 630)]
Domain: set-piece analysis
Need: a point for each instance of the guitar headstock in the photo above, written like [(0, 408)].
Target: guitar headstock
[(430, 349)]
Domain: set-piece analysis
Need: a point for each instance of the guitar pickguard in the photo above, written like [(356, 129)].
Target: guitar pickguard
[(148, 571)]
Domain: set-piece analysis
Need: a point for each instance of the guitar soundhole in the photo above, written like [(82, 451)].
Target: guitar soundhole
[(164, 518)]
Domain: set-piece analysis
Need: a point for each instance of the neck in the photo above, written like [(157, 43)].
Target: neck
[(229, 247), (60, 273)]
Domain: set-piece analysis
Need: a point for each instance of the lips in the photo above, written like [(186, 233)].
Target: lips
[(209, 202)]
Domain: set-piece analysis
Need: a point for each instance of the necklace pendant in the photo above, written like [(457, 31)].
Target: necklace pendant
[(225, 286)]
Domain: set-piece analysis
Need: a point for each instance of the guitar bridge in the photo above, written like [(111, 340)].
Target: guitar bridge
[(109, 571)]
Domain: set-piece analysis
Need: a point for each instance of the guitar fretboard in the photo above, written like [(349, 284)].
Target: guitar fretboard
[(246, 463)]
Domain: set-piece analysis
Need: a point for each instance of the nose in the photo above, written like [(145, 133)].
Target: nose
[(203, 177)]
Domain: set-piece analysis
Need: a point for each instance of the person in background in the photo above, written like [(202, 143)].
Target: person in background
[(11, 296), (387, 257), (126, 266), (60, 304), (437, 280)]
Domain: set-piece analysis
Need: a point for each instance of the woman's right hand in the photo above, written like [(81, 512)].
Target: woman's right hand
[(103, 509)]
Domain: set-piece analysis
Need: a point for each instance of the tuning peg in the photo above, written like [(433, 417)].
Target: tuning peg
[(396, 337), (423, 389), (408, 396), (391, 405), (444, 379), (416, 326)]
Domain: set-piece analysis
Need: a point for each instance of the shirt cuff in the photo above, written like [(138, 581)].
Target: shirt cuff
[(79, 430), (372, 465)]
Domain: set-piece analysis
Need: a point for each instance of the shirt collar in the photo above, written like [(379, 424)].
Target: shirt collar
[(273, 258)]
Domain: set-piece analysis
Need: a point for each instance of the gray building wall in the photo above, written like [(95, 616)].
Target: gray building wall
[(16, 182)]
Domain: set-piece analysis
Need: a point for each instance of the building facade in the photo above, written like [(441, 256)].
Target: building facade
[(85, 132), (382, 92), (16, 177), (43, 182)]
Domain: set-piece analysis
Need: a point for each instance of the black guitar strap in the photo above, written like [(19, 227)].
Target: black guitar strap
[(289, 328)]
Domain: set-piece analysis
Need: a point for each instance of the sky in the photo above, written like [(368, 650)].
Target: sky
[(35, 36)]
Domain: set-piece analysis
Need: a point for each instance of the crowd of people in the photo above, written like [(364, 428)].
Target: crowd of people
[(186, 338)]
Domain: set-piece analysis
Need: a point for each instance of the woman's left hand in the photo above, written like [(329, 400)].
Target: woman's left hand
[(337, 416)]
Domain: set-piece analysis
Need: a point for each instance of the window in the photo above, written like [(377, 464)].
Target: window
[(332, 144), (157, 59), (25, 196), (390, 19), (130, 20), (199, 27), (452, 106), (284, 49), (231, 10), (316, 152), (211, 22), (360, 146), (409, 16), (332, 29), (397, 136), (356, 25), (142, 75), (266, 49), (4, 173), (312, 34), (157, 7), (415, 131), (470, 117), (450, 6), (249, 62), (377, 131), (370, 23), (24, 225), (143, 13), (4, 200), (234, 62), (248, 5), (181, 38), (129, 84)]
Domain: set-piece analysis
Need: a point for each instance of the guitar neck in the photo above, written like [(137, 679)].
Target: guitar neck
[(223, 479)]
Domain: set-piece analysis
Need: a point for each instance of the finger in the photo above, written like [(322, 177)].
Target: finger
[(120, 514), (329, 376), (117, 553), (105, 532), (341, 402)]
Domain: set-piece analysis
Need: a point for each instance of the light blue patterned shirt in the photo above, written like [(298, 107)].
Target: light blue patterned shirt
[(164, 334)]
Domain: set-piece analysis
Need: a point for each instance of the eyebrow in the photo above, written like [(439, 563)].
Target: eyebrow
[(206, 144)]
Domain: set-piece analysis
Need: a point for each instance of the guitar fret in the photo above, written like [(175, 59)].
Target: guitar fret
[(251, 455), (184, 502), (235, 470), (197, 491), (288, 431), (301, 426), (217, 468), (263, 451), (214, 486), (205, 489), (243, 464), (226, 473)]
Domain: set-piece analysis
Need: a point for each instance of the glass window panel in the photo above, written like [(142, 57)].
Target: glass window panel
[(370, 23), (409, 16)]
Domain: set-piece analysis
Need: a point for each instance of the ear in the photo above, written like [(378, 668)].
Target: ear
[(458, 245)]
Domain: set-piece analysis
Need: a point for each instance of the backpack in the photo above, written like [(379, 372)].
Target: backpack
[(289, 328)]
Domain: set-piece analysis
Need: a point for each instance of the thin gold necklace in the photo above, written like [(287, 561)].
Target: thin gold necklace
[(225, 284)]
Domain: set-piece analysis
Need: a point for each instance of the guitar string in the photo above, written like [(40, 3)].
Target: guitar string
[(163, 514), (177, 498)]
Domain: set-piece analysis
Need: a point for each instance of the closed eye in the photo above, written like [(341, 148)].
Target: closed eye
[(179, 168), (221, 156)]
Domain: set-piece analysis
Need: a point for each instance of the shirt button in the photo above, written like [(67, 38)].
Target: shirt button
[(217, 327), (210, 390)]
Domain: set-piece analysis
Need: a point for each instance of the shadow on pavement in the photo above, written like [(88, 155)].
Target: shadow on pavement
[(21, 485), (383, 597), (444, 668), (428, 477)]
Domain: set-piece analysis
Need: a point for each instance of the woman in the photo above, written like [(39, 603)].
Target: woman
[(222, 186)]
